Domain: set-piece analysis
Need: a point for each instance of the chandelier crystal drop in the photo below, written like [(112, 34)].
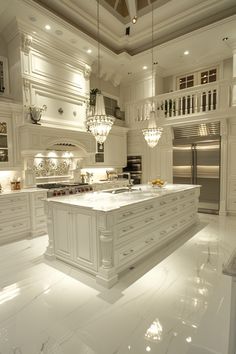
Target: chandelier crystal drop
[(153, 133), (99, 123)]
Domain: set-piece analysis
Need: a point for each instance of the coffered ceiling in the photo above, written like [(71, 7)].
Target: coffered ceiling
[(172, 18)]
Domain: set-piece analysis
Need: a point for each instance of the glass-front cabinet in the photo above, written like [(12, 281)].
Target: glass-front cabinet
[(4, 143)]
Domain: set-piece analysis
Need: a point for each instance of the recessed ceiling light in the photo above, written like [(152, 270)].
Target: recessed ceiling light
[(145, 67), (47, 27), (134, 19), (186, 52), (89, 51)]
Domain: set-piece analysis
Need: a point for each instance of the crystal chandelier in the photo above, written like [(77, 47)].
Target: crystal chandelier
[(99, 123), (153, 133)]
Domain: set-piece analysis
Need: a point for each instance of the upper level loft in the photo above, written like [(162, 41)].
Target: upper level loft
[(197, 96)]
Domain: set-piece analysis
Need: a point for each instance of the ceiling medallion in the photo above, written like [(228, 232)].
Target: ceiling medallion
[(99, 123), (153, 133)]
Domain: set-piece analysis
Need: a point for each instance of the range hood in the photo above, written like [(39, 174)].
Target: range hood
[(35, 138)]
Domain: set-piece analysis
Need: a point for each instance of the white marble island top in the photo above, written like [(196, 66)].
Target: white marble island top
[(107, 201)]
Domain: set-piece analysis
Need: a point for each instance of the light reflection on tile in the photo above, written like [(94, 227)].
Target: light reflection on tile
[(177, 306)]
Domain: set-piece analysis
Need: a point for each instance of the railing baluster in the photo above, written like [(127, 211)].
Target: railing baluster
[(181, 105), (211, 99), (177, 106), (207, 101), (195, 102)]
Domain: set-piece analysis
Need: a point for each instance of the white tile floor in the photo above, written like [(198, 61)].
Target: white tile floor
[(180, 306)]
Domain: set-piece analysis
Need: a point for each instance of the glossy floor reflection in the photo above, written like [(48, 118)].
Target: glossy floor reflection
[(180, 306)]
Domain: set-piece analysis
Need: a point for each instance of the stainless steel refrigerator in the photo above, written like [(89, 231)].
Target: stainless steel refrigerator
[(196, 160)]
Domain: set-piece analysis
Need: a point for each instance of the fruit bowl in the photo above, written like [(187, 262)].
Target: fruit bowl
[(158, 183)]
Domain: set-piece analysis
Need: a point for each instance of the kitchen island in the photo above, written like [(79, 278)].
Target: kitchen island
[(106, 232)]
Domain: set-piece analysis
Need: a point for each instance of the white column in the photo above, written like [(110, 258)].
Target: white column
[(234, 79)]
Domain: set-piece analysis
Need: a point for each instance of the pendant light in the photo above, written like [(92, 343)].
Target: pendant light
[(153, 133), (99, 124)]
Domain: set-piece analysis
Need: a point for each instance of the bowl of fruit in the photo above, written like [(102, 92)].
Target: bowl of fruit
[(158, 183)]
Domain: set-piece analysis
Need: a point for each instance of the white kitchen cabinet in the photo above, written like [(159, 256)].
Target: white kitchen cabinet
[(15, 217), (76, 236), (63, 228), (37, 213), (5, 143), (84, 239), (22, 215)]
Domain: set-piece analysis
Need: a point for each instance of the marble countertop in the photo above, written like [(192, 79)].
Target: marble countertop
[(105, 201), (23, 190)]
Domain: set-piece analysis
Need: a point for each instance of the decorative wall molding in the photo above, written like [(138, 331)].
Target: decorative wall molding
[(26, 42)]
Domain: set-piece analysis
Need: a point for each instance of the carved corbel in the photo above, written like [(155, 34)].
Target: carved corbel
[(26, 42), (26, 87), (87, 72)]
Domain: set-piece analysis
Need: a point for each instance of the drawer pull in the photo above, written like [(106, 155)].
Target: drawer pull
[(15, 225), (128, 213), (162, 203), (149, 207), (162, 214), (128, 252), (148, 241), (148, 220), (128, 228)]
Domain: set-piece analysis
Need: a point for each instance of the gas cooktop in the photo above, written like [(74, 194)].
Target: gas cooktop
[(60, 185)]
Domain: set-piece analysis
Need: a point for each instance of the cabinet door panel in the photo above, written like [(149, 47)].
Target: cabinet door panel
[(84, 240), (63, 245)]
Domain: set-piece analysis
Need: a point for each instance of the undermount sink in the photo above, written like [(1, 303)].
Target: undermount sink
[(120, 190)]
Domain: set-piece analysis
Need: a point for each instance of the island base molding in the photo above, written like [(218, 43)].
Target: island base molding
[(107, 242)]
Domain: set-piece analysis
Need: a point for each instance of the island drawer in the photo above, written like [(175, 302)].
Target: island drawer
[(128, 213), (168, 200), (187, 194), (167, 212), (124, 229)]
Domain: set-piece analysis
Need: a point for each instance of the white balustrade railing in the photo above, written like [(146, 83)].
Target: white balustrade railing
[(197, 100)]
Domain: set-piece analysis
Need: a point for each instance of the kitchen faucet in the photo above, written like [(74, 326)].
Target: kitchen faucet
[(129, 179)]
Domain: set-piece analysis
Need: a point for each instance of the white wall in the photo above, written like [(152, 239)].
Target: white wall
[(3, 48), (105, 86), (228, 69)]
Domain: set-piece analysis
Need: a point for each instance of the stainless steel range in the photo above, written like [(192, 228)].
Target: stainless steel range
[(58, 189)]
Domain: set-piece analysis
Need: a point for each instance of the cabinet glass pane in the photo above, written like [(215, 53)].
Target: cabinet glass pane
[(3, 141), (3, 127), (3, 155)]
